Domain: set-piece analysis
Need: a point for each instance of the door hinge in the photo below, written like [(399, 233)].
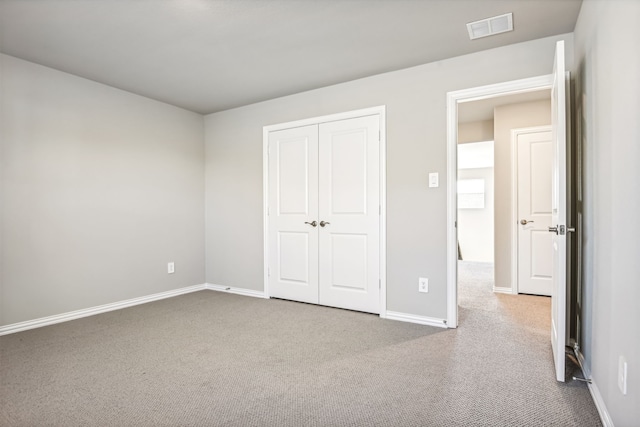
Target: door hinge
[(379, 209), (379, 283)]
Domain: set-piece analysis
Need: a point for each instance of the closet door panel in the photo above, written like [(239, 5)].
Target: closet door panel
[(293, 204), (349, 188)]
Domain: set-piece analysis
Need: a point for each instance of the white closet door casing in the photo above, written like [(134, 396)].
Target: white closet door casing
[(349, 193), (293, 200), (535, 257)]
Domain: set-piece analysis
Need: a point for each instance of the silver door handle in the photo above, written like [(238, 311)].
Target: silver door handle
[(312, 223), (323, 223), (525, 222), (562, 230)]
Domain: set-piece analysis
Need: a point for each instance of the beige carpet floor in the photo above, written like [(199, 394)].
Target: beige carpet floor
[(215, 359)]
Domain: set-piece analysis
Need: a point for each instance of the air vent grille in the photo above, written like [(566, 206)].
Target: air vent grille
[(490, 26)]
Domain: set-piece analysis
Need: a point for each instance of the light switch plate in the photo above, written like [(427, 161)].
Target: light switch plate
[(433, 179), (622, 374)]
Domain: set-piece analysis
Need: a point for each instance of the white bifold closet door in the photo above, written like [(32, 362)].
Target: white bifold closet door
[(324, 214)]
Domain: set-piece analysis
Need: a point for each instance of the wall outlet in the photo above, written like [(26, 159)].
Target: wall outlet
[(171, 268), (423, 284), (622, 375)]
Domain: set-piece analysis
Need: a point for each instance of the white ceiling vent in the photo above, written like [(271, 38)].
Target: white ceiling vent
[(490, 26)]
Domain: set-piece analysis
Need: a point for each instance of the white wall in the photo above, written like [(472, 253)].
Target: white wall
[(608, 107), (100, 189), (416, 145)]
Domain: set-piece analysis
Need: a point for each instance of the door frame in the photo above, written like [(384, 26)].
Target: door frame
[(515, 283), (453, 99), (380, 111)]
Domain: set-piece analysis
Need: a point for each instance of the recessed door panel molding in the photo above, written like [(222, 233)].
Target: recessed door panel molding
[(540, 152), (293, 181), (348, 263), (542, 258), (293, 257), (324, 209), (347, 170)]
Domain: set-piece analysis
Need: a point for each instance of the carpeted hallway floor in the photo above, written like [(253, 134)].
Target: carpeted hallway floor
[(215, 359)]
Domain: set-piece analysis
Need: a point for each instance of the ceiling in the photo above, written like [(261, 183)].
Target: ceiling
[(212, 55), (476, 111)]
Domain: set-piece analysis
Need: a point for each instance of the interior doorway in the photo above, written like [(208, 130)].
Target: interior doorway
[(504, 173), (474, 122), (556, 82)]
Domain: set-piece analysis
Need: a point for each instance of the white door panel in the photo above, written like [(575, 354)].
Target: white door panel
[(559, 213), (348, 263), (349, 188), (293, 200), (293, 255), (534, 150)]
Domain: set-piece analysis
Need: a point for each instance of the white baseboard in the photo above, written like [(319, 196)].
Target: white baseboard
[(238, 291), (595, 393), (72, 315), (502, 290), (412, 318)]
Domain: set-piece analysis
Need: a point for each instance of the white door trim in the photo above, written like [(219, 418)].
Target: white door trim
[(453, 99), (381, 112), (514, 199)]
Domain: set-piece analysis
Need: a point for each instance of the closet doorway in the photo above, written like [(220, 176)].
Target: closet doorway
[(324, 211)]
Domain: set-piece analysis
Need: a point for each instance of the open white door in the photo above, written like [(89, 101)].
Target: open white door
[(559, 213)]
